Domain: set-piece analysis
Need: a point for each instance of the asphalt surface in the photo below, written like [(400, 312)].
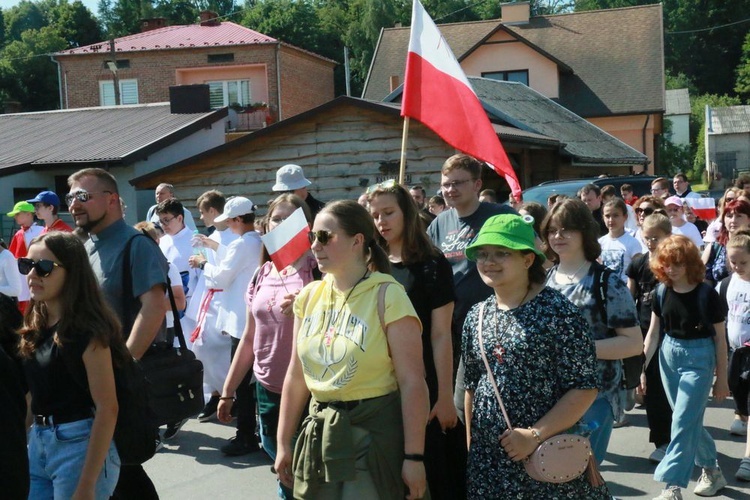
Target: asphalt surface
[(190, 466)]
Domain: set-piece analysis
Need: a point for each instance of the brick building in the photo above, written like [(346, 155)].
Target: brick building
[(241, 66)]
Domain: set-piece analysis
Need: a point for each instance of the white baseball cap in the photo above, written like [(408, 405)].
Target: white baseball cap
[(235, 207), (290, 177)]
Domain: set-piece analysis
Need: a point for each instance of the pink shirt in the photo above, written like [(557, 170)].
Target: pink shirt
[(272, 344)]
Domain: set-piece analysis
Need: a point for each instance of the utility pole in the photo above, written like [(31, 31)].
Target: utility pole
[(113, 68)]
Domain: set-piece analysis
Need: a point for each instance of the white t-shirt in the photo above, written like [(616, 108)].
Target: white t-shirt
[(618, 252), (688, 229), (738, 317)]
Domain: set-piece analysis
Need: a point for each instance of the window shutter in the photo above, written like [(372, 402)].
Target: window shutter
[(129, 92), (107, 93), (216, 94)]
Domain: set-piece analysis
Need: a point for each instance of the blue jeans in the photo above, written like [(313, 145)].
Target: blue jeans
[(56, 457), (687, 371), (269, 406), (600, 417)]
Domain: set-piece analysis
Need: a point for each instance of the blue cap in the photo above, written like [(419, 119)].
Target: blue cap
[(47, 197)]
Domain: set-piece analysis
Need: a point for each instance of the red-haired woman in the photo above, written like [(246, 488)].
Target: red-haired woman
[(693, 350), (735, 216)]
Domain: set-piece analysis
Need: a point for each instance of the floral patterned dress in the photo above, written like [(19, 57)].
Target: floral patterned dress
[(538, 352)]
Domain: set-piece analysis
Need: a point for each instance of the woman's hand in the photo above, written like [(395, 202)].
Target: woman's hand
[(445, 411), (287, 305), (641, 389), (195, 261), (415, 478), (283, 466), (721, 389), (224, 410), (518, 443)]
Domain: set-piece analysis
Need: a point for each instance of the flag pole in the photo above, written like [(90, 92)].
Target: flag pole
[(404, 138)]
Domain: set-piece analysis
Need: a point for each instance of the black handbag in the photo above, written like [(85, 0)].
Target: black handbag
[(175, 376)]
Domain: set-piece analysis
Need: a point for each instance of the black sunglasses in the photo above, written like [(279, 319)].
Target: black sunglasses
[(82, 196), (647, 211), (43, 267), (322, 236)]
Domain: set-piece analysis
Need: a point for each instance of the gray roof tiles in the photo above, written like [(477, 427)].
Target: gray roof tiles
[(730, 120)]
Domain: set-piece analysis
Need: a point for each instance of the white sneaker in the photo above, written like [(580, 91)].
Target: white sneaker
[(710, 482), (658, 454), (738, 428), (671, 493)]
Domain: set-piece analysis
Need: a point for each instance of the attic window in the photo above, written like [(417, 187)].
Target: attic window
[(521, 75), (220, 58), (121, 64)]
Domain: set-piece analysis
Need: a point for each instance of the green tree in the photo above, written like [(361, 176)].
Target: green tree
[(26, 72), (2, 28), (742, 85), (177, 11), (75, 23), (698, 122), (24, 16), (122, 17)]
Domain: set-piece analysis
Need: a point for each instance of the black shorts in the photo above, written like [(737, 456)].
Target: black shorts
[(739, 379)]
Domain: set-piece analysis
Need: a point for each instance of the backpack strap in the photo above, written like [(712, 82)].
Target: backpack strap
[(704, 292), (381, 305), (601, 288), (723, 287)]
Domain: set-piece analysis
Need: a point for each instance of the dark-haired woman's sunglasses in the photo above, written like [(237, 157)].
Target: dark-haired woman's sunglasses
[(322, 236), (645, 211), (43, 267)]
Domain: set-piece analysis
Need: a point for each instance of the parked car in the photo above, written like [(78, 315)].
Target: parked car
[(569, 187)]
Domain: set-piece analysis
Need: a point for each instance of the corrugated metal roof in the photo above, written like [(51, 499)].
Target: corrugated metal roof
[(183, 36), (730, 120), (526, 109), (678, 102), (89, 135)]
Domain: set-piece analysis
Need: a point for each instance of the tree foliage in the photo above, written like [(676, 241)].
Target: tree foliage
[(742, 85)]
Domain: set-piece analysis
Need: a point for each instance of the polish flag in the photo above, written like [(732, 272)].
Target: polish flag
[(704, 208), (288, 241), (437, 93)]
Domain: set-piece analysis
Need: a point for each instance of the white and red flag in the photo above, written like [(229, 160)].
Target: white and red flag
[(437, 93), (704, 208), (288, 241)]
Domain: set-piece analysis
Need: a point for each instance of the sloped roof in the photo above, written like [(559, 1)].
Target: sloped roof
[(102, 135), (678, 102), (611, 60), (730, 120)]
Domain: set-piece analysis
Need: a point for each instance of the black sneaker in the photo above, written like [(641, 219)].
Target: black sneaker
[(238, 446), (173, 429), (209, 411)]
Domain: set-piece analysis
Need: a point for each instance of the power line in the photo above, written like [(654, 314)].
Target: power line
[(706, 29)]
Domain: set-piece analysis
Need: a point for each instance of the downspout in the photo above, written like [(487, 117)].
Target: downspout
[(643, 140), (278, 77), (59, 80)]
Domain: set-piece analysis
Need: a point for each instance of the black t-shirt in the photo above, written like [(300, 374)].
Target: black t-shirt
[(681, 315), (429, 286), (14, 462), (599, 218), (645, 287), (55, 375)]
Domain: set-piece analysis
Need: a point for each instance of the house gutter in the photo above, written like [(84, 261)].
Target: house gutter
[(59, 81), (278, 77), (643, 134)]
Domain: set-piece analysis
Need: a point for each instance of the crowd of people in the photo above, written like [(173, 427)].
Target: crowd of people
[(375, 365)]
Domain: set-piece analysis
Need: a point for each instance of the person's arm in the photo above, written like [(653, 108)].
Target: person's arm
[(294, 395), (468, 414), (12, 276), (179, 299), (148, 321), (520, 443), (706, 255), (721, 387), (405, 343), (632, 287), (628, 342), (442, 354), (97, 360), (241, 364), (623, 318)]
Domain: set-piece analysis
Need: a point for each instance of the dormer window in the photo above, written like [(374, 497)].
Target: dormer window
[(519, 75)]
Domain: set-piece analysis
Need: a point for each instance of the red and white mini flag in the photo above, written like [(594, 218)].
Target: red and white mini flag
[(288, 241), (704, 208), (437, 93)]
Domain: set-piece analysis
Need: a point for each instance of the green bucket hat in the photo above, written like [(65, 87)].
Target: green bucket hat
[(506, 230), (21, 206)]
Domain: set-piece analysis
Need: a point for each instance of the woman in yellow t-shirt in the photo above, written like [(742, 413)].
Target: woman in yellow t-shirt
[(358, 352)]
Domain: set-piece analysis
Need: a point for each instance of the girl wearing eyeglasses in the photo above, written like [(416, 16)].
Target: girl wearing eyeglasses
[(70, 340), (428, 279), (645, 206), (266, 344), (572, 234), (357, 350)]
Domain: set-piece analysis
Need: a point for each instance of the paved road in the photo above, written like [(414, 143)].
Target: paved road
[(191, 466)]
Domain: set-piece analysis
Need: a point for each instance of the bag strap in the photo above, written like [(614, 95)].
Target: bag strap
[(723, 287), (381, 305), (601, 288), (490, 376)]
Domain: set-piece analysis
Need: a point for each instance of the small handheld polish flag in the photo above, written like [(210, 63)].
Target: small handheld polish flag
[(704, 208), (288, 241)]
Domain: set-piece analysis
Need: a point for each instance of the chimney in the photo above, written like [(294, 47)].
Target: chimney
[(393, 82), (209, 18), (515, 12), (153, 24)]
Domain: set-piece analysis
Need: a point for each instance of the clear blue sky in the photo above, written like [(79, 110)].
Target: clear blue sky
[(91, 4)]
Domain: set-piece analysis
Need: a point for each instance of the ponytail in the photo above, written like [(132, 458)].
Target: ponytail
[(377, 260)]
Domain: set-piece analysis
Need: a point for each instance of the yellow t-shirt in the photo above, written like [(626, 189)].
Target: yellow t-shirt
[(342, 347)]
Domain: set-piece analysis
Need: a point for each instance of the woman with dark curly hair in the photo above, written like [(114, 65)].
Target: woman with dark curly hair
[(693, 350)]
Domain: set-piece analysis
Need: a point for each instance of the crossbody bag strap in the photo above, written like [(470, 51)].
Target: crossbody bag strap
[(381, 305), (490, 376)]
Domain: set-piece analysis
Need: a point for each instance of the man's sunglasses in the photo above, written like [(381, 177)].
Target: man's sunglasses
[(82, 196), (322, 236), (43, 267)]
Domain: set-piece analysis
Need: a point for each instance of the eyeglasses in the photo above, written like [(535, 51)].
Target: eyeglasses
[(165, 222), (644, 211), (389, 184), (651, 239), (656, 190), (454, 184), (43, 267), (82, 195), (484, 256), (563, 233), (322, 236)]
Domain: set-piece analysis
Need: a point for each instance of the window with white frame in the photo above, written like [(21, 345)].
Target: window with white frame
[(228, 92), (128, 92)]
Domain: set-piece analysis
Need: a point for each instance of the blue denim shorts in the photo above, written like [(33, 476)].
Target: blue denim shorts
[(56, 457)]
